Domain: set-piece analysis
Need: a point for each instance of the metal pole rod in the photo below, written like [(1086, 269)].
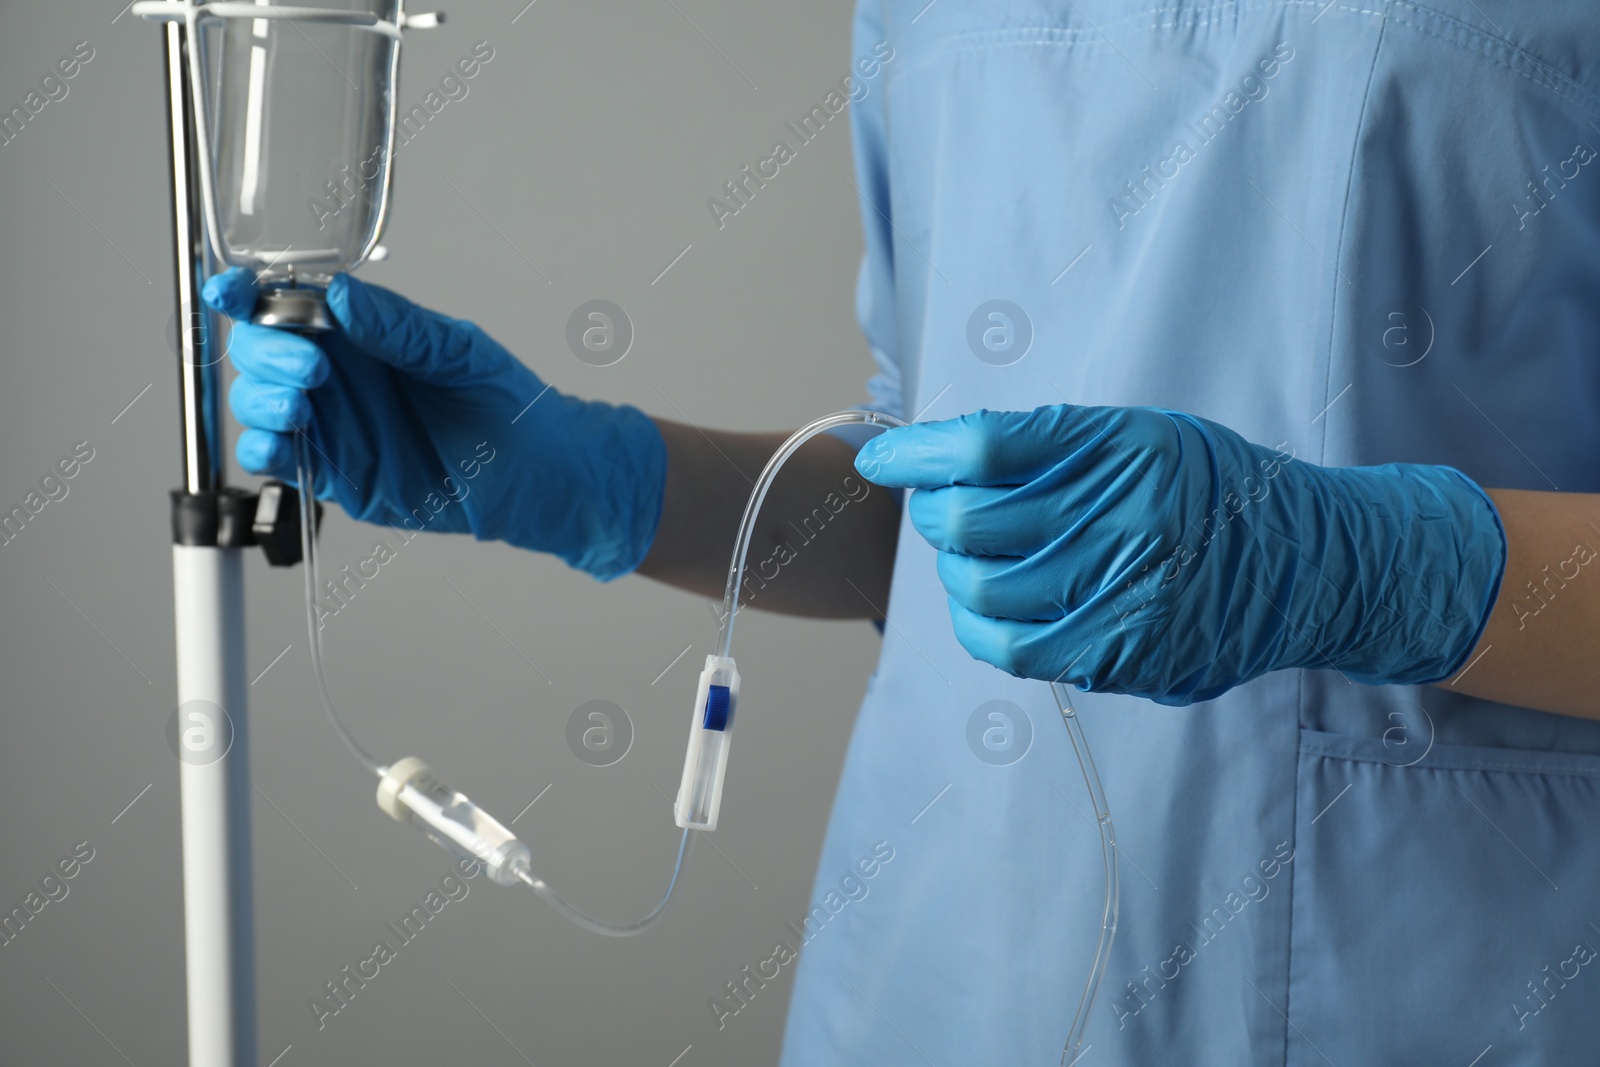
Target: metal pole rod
[(209, 611), (197, 370)]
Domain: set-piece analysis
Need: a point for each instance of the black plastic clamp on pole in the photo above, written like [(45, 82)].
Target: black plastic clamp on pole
[(276, 523), (235, 518)]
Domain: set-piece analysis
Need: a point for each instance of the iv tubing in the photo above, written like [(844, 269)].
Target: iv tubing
[(308, 539), (605, 929), (549, 896), (1102, 813), (1111, 906), (758, 494), (1108, 850)]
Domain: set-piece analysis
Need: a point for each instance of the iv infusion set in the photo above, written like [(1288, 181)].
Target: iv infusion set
[(282, 129)]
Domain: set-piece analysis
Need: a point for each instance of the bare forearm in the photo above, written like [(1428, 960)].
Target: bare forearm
[(824, 543), (1541, 648)]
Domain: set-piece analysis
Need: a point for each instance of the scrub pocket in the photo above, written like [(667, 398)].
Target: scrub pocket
[(1445, 910)]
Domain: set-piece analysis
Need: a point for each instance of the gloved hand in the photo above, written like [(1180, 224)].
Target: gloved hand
[(423, 421), (1141, 551)]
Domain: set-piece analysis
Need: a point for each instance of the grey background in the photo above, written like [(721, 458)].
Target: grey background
[(591, 142)]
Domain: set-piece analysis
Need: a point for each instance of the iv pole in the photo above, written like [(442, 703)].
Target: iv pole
[(211, 524), (208, 600)]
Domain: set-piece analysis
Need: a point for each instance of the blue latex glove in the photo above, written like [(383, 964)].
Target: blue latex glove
[(1141, 551), (423, 421)]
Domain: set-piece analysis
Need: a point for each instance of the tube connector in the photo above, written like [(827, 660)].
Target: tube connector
[(706, 762), (408, 792)]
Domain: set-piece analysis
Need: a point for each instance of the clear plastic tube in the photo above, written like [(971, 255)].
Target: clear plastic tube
[(705, 761), (1108, 851), (758, 495), (1111, 904), (304, 472), (605, 929), (730, 606), (308, 541)]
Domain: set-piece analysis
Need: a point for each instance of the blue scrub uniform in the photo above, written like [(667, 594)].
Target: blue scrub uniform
[(1368, 232)]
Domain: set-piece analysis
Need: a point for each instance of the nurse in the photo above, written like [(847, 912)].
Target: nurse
[(1252, 354)]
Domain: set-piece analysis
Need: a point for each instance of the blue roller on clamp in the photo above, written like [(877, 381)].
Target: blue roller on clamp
[(719, 708)]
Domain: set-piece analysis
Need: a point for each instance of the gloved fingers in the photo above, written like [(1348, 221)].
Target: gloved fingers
[(266, 452), (1060, 651), (1036, 589), (1023, 649), (277, 356), (233, 292), (1013, 521), (989, 448), (424, 344), (267, 405), (961, 518)]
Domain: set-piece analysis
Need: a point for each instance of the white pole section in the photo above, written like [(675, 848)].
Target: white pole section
[(212, 744)]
